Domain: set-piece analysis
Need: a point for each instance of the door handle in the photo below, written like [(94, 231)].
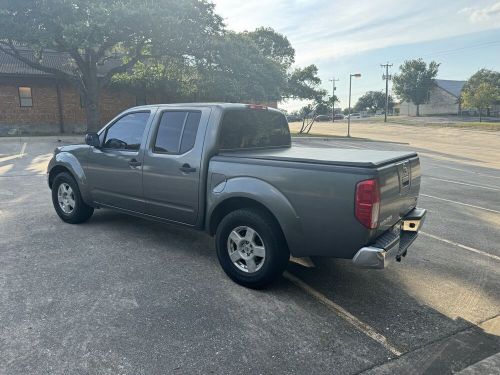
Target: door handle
[(186, 168), (134, 163)]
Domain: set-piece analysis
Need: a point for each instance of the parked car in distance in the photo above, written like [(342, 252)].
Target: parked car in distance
[(231, 170), (338, 116), (354, 115), (293, 118), (320, 118)]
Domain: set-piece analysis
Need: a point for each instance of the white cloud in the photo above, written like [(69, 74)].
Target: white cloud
[(488, 14), (323, 30), (328, 32)]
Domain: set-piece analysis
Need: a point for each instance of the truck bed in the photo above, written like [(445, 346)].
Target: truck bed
[(326, 156)]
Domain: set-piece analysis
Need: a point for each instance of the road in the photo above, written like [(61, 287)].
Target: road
[(121, 295)]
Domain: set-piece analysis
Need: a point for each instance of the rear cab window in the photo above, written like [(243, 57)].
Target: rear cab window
[(253, 128)]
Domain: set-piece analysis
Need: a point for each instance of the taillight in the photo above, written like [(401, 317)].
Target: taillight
[(367, 203)]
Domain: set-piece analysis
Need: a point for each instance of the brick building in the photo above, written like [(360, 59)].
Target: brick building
[(35, 102)]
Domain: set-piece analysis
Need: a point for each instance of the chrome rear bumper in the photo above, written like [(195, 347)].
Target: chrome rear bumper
[(393, 244)]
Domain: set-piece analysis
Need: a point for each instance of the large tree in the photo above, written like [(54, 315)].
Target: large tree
[(373, 101), (94, 32), (414, 81), (248, 66)]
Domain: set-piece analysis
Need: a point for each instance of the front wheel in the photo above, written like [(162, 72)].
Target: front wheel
[(251, 248), (68, 201)]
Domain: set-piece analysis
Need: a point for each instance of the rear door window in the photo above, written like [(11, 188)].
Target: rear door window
[(176, 132)]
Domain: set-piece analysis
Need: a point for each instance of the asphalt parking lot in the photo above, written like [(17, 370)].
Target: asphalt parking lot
[(121, 295)]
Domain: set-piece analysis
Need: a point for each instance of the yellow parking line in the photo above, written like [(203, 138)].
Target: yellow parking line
[(344, 314)]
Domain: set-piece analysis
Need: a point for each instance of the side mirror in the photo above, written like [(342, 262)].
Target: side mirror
[(92, 139)]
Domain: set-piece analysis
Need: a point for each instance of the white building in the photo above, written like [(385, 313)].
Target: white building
[(444, 99)]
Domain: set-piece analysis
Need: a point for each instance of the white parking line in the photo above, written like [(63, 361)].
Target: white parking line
[(344, 314), (463, 183), (23, 149), (461, 246), (461, 204), (461, 170)]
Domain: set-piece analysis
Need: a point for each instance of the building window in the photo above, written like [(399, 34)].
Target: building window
[(25, 98)]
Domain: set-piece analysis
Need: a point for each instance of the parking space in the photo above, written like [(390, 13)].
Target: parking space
[(123, 295)]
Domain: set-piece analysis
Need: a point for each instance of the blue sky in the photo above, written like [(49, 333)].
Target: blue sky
[(343, 37)]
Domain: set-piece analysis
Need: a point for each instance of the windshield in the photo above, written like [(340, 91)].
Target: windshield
[(249, 128)]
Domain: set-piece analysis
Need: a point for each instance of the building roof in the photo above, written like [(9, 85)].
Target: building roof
[(9, 65), (451, 86)]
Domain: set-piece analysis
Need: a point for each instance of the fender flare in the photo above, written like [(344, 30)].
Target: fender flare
[(265, 194), (71, 163)]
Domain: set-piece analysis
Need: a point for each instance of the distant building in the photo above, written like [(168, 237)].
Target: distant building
[(444, 99)]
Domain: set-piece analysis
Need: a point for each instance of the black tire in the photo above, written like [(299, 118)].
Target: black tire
[(268, 232), (81, 212)]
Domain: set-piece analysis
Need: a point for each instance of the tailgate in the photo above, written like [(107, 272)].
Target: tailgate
[(399, 188)]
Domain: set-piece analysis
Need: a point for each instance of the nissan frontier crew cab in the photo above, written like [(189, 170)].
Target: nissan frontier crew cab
[(231, 170)]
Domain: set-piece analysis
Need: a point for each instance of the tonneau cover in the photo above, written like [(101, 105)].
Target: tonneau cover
[(328, 156)]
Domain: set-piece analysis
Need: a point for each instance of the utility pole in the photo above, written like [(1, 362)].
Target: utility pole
[(333, 80), (356, 75), (387, 77)]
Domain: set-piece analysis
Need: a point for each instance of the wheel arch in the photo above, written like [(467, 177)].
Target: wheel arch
[(66, 162), (253, 193)]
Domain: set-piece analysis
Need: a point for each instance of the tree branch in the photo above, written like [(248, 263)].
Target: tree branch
[(123, 68)]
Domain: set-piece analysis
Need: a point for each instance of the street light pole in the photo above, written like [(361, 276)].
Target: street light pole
[(357, 75)]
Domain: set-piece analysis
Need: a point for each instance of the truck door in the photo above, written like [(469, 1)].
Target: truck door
[(114, 170), (172, 162)]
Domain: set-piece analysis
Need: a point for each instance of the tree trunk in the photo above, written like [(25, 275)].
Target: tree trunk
[(418, 110), (480, 115), (92, 107)]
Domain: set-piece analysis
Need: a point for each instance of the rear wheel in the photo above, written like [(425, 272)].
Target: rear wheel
[(251, 248), (68, 201)]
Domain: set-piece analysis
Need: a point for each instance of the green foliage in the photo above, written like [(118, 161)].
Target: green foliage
[(483, 76), (415, 80), (235, 68), (273, 45), (96, 32), (481, 97), (237, 71), (303, 83), (170, 50), (373, 101)]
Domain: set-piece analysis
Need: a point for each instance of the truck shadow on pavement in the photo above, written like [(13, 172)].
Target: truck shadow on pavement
[(431, 341)]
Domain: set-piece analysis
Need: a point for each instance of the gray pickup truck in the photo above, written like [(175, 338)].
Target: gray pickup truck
[(230, 169)]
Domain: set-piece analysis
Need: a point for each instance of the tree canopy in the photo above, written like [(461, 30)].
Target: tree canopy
[(483, 76), (172, 50), (481, 97), (373, 101), (94, 32), (414, 81)]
